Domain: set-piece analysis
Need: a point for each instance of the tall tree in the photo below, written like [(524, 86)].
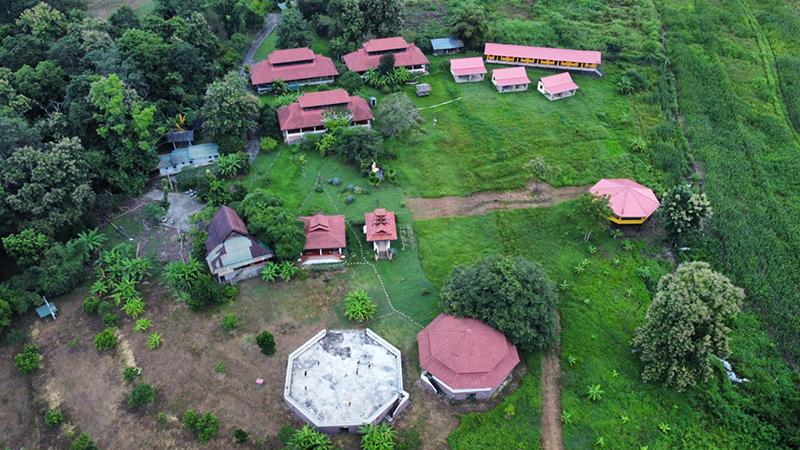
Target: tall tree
[(273, 224), (683, 212), (43, 22), (512, 295), (396, 114), (229, 109), (48, 189), (129, 132), (293, 30), (687, 323), (383, 18), (233, 14), (44, 85), (16, 133), (348, 19), (359, 145), (469, 23)]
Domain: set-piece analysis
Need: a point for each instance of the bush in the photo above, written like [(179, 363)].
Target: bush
[(73, 343), (266, 342), (110, 320), (105, 340), (230, 322), (309, 438), (205, 426), (230, 144), (104, 308), (219, 368), (361, 146), (84, 442), (130, 373), (53, 418), (683, 212), (204, 292), (359, 307), (351, 82), (14, 337), (90, 305), (142, 394), (512, 295), (240, 436), (28, 361)]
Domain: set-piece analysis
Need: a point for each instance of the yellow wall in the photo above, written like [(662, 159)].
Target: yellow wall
[(627, 221)]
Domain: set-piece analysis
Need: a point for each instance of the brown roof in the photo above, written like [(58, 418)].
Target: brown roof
[(553, 54), (324, 232), (465, 353), (279, 65), (510, 76), (225, 222), (381, 226), (294, 116), (361, 60)]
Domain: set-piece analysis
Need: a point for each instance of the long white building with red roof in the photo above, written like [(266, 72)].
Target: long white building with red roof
[(405, 55), (298, 66), (305, 116), (549, 58)]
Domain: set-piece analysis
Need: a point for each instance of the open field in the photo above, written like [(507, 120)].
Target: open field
[(104, 8)]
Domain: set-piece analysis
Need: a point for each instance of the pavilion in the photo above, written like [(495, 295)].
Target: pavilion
[(631, 202)]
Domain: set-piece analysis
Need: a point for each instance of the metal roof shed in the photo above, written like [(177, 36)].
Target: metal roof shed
[(446, 46)]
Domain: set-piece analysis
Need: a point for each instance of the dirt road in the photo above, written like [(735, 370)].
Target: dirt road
[(551, 395), (535, 195)]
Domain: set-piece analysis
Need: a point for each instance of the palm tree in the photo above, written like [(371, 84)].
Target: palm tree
[(270, 272), (359, 307), (288, 270), (93, 239)]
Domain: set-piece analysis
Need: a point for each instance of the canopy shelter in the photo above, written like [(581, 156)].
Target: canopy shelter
[(423, 89), (446, 46), (48, 309), (631, 202)]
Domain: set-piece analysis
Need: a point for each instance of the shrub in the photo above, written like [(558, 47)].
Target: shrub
[(359, 307), (219, 368), (205, 426), (309, 438), (687, 323), (230, 322), (240, 436), (14, 337), (683, 212), (90, 305), (84, 442), (267, 144), (28, 361), (73, 343), (374, 437), (130, 373), (266, 342), (154, 341), (53, 418), (142, 394), (396, 114), (104, 308), (110, 320), (105, 340), (350, 81), (512, 295)]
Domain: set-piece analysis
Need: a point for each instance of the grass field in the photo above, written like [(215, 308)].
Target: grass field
[(104, 8)]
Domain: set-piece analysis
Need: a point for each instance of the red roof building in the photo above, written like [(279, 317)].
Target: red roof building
[(631, 202), (510, 80), (464, 358), (305, 117), (405, 55), (381, 229), (294, 66), (467, 69), (325, 238), (558, 86), (552, 58)]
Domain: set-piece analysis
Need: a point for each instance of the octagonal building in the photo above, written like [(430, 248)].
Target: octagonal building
[(342, 379), (464, 358)]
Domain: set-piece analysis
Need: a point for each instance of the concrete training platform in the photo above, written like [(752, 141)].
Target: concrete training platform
[(343, 379)]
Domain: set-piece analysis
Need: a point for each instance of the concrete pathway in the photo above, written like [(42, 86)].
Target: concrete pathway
[(272, 20)]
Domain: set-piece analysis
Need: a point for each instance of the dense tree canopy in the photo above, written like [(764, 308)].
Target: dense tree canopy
[(293, 30), (273, 224), (687, 323), (469, 23), (229, 109), (683, 211), (512, 295), (396, 114), (359, 145)]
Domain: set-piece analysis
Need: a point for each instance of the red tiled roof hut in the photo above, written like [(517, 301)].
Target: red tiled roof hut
[(405, 55), (294, 66), (381, 229), (325, 238)]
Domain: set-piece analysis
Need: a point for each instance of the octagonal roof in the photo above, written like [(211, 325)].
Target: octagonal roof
[(465, 353), (344, 377)]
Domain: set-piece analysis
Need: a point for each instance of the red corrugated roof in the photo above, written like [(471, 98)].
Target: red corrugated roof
[(293, 116), (467, 66), (290, 55), (465, 353), (380, 226), (360, 61), (323, 98), (324, 232), (554, 54), (510, 76), (224, 222), (384, 44), (556, 84), (266, 72), (628, 199)]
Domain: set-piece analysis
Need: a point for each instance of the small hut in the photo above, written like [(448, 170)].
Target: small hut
[(467, 69), (631, 202), (558, 86), (446, 46), (510, 80), (423, 90)]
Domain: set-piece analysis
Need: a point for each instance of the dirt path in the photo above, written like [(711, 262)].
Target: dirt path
[(551, 395), (536, 195), (272, 20)]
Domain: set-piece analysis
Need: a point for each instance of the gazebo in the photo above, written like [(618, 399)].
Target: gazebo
[(464, 358), (631, 202)]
